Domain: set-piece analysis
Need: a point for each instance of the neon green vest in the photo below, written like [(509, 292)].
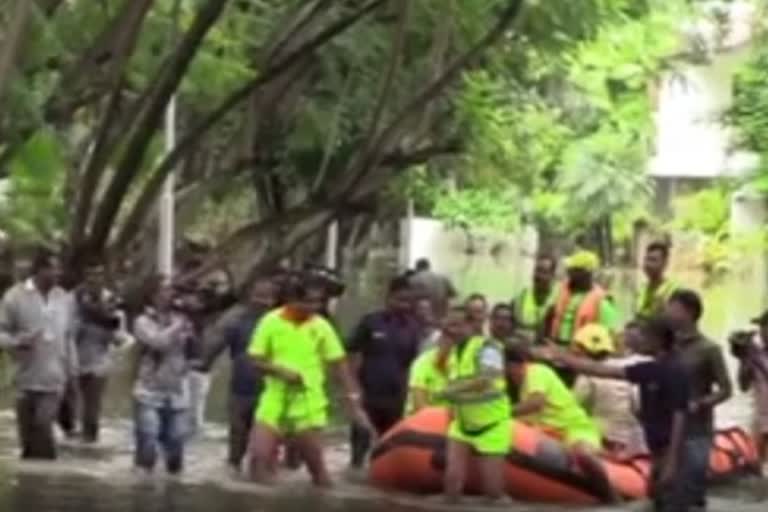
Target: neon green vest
[(529, 314), (477, 411), (651, 302)]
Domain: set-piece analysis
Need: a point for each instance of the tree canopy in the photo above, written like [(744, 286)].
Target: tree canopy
[(293, 113)]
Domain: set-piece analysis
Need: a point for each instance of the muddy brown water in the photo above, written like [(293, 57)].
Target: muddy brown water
[(101, 479)]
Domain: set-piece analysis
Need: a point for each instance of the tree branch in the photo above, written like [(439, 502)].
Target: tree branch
[(143, 205), (371, 160), (193, 137), (101, 63), (13, 41), (128, 22), (150, 117)]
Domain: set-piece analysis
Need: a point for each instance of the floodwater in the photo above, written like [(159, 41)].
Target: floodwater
[(101, 479)]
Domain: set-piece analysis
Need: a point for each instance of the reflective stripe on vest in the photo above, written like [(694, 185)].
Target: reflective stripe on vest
[(650, 303), (476, 410), (588, 311)]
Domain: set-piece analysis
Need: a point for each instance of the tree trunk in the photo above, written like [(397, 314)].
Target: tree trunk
[(148, 121), (15, 34)]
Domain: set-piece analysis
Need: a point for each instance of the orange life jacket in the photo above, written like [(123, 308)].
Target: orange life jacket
[(588, 312)]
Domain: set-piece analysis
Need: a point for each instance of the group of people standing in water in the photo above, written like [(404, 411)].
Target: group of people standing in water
[(554, 357)]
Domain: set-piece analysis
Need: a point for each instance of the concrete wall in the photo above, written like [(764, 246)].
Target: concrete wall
[(496, 264)]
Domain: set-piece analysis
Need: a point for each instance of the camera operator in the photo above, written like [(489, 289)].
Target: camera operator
[(751, 349), (98, 331), (165, 337)]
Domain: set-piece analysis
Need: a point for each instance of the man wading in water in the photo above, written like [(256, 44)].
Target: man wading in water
[(710, 385), (37, 325), (292, 346)]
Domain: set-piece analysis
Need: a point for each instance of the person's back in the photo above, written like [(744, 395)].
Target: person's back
[(612, 404), (436, 286), (563, 413), (427, 380)]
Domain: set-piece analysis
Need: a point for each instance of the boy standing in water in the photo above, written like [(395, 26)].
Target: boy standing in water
[(292, 346), (663, 407), (477, 395)]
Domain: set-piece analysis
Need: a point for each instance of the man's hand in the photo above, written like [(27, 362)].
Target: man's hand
[(290, 377), (29, 339)]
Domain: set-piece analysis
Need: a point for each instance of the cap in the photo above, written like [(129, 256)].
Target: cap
[(585, 260), (594, 338)]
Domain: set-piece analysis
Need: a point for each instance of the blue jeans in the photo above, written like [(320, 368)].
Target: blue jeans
[(696, 468), (157, 427)]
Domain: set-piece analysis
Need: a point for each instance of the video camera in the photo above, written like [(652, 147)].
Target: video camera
[(742, 343)]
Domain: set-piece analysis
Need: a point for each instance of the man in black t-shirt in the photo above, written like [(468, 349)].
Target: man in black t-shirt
[(664, 400), (382, 348)]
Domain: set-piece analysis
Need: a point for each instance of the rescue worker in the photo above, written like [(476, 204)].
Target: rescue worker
[(428, 376), (532, 304), (292, 346), (580, 301), (657, 289), (476, 392), (547, 403)]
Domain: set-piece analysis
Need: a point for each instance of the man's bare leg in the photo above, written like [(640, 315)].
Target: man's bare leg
[(586, 459), (457, 460), (261, 451), (492, 471), (309, 445)]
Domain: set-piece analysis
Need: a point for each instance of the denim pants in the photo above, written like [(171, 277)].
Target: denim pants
[(696, 468), (160, 428)]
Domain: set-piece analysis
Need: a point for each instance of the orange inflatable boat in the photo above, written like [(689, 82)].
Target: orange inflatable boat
[(411, 457)]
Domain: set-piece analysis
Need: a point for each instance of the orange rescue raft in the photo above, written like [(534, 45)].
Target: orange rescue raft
[(411, 457)]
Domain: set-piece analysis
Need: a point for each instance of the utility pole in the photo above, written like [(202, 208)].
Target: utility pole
[(167, 206), (166, 232)]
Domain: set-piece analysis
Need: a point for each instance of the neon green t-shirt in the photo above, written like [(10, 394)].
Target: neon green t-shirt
[(304, 348), (563, 411), (425, 375), (608, 316)]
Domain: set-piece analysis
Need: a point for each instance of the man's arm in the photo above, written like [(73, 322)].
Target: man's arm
[(356, 345), (532, 404), (746, 376), (155, 337), (491, 367), (582, 365), (8, 332), (220, 339), (724, 388), (73, 362)]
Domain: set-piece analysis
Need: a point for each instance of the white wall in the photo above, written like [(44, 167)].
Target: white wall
[(494, 263), (692, 142)]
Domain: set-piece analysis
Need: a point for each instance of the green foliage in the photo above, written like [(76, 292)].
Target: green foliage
[(33, 207), (706, 211), (480, 207), (568, 132)]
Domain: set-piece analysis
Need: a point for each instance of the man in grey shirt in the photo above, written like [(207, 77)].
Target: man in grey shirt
[(437, 287), (36, 327), (96, 335)]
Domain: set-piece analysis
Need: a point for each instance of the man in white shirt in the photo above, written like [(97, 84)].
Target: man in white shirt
[(36, 327)]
